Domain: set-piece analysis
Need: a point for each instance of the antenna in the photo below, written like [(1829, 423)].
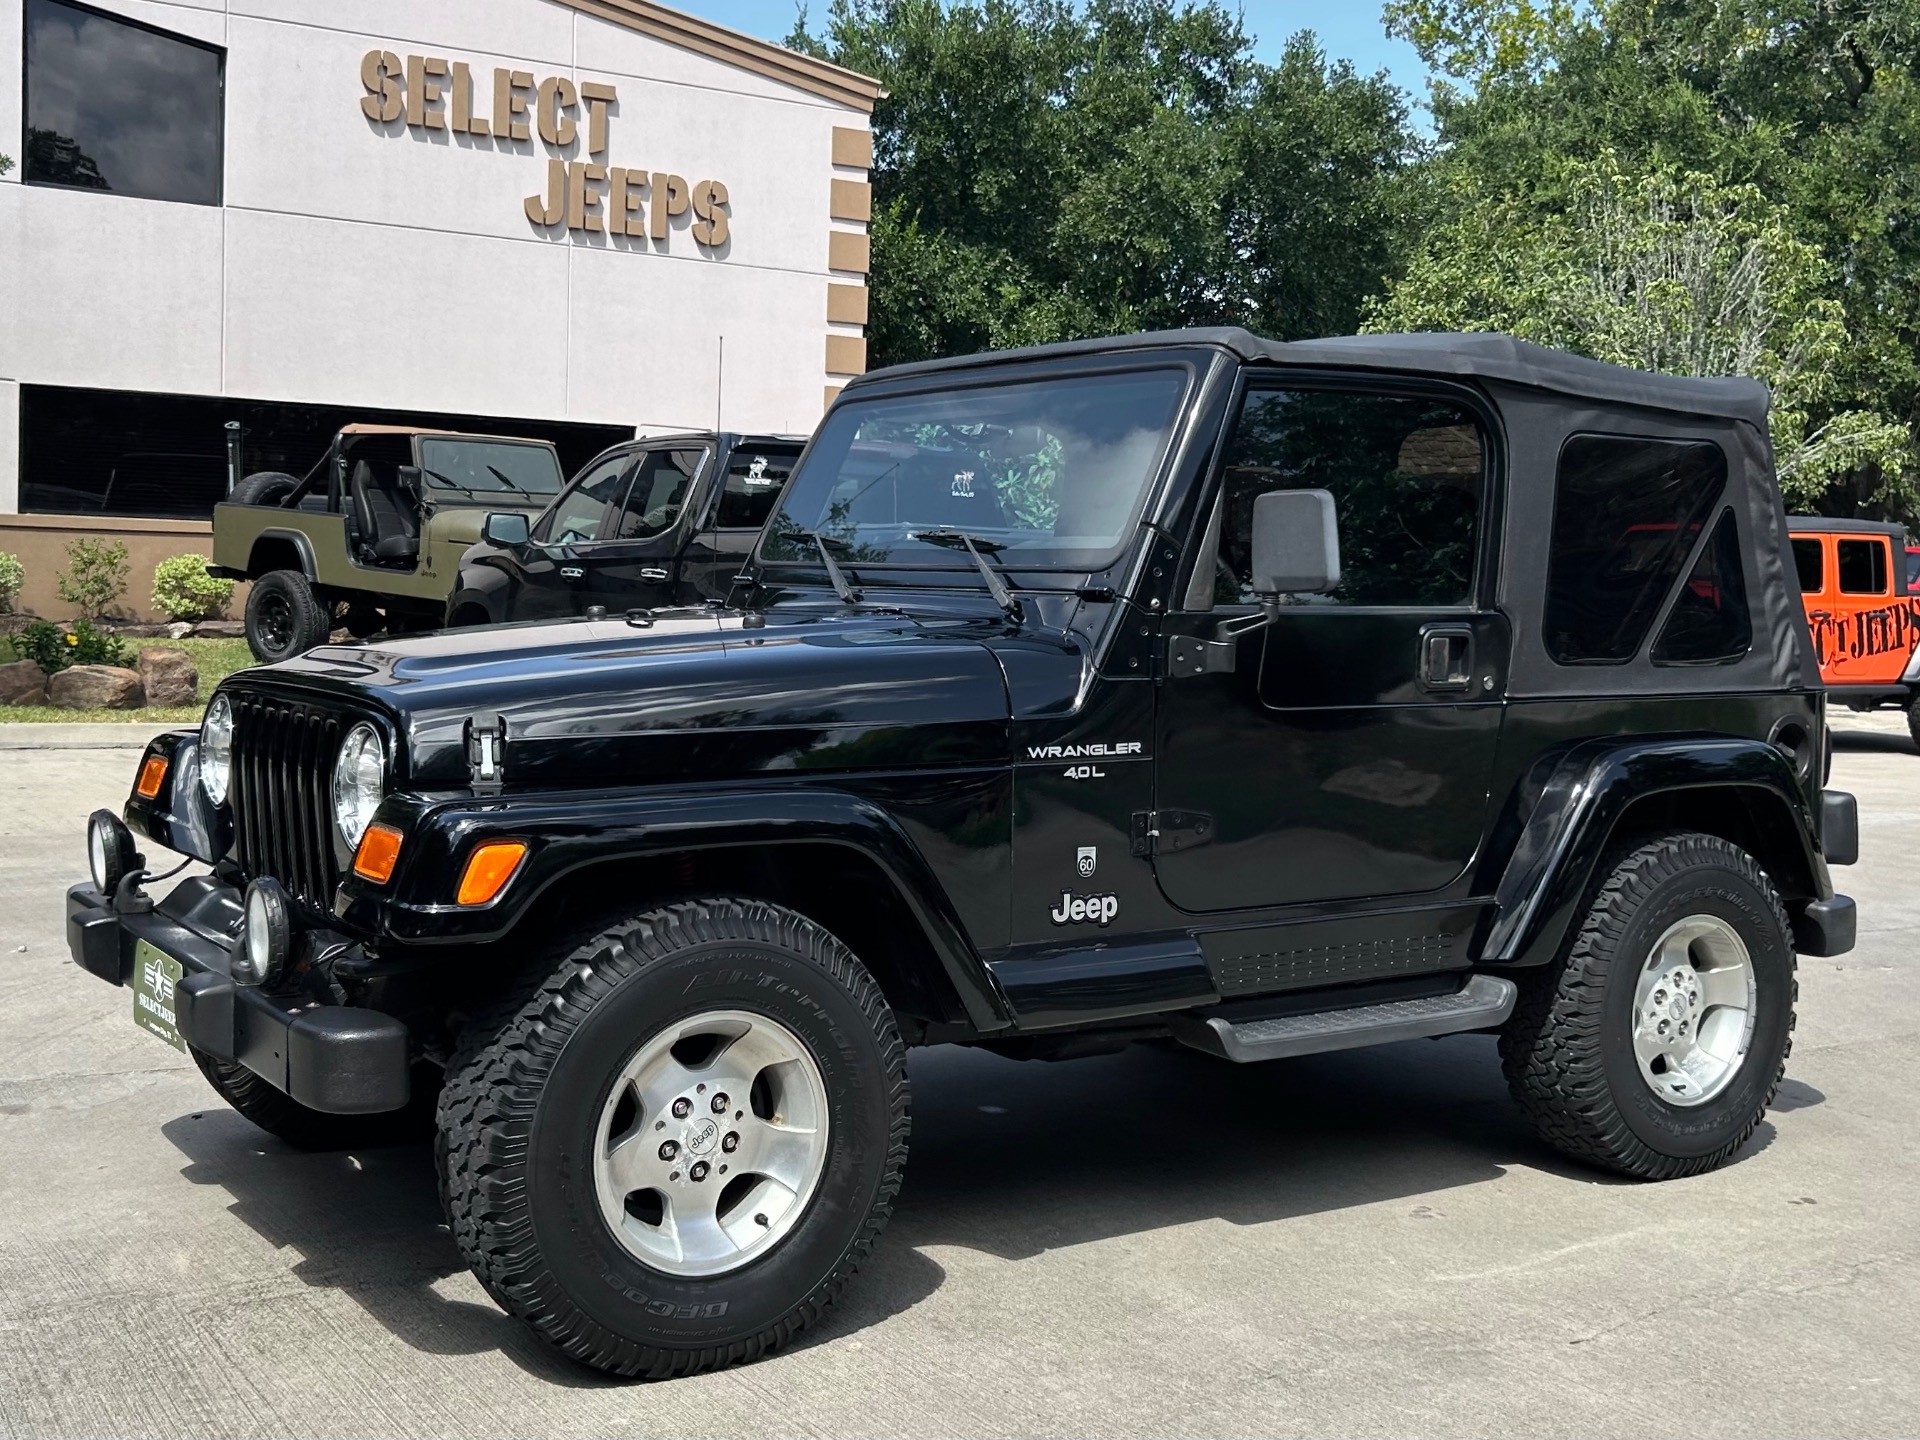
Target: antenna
[(719, 384)]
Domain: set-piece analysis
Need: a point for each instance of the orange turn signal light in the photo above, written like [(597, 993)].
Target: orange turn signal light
[(489, 869), (153, 775), (379, 852)]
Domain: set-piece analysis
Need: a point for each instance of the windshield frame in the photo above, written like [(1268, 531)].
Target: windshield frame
[(1187, 369)]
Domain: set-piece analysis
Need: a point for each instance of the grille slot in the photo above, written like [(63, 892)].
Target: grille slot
[(283, 754)]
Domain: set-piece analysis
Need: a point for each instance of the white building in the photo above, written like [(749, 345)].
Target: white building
[(568, 218)]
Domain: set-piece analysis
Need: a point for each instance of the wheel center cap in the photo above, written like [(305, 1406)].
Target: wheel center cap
[(702, 1136), (1677, 1009)]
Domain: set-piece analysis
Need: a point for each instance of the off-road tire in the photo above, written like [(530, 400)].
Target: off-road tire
[(524, 1092), (284, 617), (1913, 719), (264, 487), (1568, 1048), (278, 1113)]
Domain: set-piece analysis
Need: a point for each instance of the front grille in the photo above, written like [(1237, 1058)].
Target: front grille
[(283, 754)]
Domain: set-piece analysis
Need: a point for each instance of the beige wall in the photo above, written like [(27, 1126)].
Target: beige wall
[(41, 543)]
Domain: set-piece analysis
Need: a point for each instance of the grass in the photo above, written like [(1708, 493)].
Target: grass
[(214, 659)]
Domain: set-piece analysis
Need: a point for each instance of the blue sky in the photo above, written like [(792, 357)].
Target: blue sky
[(1349, 30)]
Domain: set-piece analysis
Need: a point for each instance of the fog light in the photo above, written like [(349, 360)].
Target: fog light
[(266, 935), (110, 853)]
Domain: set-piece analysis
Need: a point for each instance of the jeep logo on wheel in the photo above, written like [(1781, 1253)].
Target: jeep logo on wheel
[(702, 1134)]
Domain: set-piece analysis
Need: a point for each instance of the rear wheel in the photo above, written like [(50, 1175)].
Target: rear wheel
[(1654, 1044), (1913, 719), (284, 617), (672, 1154)]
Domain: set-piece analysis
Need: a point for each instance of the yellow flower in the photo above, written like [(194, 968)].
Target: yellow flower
[(73, 639)]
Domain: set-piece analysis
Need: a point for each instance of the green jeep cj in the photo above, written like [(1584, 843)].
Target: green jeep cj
[(372, 536)]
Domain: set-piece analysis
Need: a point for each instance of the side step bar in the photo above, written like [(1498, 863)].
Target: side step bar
[(1484, 1001)]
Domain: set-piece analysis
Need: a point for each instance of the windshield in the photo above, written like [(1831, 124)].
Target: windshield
[(1053, 473), (490, 467)]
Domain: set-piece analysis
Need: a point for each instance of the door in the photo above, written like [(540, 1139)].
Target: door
[(749, 488), (1859, 615), (1348, 751), (550, 573), (635, 564)]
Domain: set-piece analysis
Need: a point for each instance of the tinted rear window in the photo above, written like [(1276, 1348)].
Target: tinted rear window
[(1709, 623), (1809, 560), (1863, 567), (1626, 514)]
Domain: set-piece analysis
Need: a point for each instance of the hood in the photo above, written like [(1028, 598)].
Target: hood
[(699, 695)]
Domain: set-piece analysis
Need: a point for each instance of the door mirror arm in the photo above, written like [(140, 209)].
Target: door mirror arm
[(1296, 551)]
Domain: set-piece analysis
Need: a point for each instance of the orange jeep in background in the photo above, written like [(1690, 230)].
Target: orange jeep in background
[(1856, 581)]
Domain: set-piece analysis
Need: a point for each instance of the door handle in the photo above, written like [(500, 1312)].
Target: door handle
[(1446, 658), (651, 573), (572, 572)]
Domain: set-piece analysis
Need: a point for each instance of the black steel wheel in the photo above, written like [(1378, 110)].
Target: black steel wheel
[(284, 617), (670, 1152), (1653, 1045)]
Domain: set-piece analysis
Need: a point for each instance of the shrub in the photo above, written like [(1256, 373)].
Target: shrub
[(183, 590), (12, 576), (55, 649), (95, 577)]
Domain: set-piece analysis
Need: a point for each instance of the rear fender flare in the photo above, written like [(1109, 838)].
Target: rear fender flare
[(302, 546), (571, 831), (1580, 806)]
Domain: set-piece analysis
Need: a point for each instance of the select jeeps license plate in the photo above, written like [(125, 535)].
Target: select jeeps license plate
[(154, 976)]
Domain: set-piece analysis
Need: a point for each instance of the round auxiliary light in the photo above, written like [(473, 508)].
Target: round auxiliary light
[(266, 935), (216, 749), (110, 853), (359, 782)]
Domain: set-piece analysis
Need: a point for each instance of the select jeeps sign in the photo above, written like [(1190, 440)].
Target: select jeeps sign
[(589, 196)]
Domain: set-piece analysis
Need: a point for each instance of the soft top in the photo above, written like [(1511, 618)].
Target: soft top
[(1827, 525), (1469, 353)]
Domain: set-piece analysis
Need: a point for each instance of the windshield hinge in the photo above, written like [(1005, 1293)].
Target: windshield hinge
[(487, 752)]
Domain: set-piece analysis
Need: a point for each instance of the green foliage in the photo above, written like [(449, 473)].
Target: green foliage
[(183, 590), (12, 576), (1479, 40), (1045, 170), (95, 577), (55, 649), (6, 164)]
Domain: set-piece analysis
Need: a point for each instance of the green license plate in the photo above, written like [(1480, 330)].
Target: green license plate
[(154, 976)]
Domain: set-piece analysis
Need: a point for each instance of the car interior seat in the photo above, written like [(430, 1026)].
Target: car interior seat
[(386, 518)]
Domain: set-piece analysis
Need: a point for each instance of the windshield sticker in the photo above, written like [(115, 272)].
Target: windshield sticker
[(1098, 751), (963, 485), (1085, 909)]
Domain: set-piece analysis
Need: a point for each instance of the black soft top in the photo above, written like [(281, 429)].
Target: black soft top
[(1475, 354)]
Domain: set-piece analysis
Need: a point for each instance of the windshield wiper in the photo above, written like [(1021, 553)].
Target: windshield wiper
[(449, 482), (501, 476), (848, 595), (974, 545)]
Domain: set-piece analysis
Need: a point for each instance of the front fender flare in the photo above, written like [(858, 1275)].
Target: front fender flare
[(569, 831), (1581, 801)]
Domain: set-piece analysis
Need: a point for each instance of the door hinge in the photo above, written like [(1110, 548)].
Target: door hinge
[(1190, 655), (1167, 832)]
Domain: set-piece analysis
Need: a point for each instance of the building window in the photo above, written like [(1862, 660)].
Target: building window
[(1626, 514), (122, 453), (112, 105)]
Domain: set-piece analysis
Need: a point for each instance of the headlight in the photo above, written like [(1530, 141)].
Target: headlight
[(216, 749), (359, 782)]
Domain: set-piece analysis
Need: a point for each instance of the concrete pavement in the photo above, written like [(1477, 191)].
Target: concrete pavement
[(1150, 1243)]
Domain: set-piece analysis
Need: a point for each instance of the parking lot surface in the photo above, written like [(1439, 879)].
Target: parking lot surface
[(1151, 1243)]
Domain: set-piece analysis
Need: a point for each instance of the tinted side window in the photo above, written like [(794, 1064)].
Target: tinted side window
[(1626, 513), (1863, 567), (753, 484), (1709, 623), (659, 493), (1406, 474), (578, 515), (1810, 560), (120, 107)]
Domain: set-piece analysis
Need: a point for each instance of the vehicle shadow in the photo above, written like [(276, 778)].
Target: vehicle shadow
[(1009, 1158)]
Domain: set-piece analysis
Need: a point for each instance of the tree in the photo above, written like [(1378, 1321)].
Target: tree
[(1673, 272), (1045, 170), (6, 164)]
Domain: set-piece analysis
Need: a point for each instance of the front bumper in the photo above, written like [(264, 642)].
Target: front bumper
[(337, 1059)]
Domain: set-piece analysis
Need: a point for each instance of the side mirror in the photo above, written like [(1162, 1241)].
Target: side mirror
[(1296, 544), (411, 479), (508, 529)]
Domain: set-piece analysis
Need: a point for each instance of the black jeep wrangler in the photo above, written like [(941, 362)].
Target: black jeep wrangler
[(1188, 688)]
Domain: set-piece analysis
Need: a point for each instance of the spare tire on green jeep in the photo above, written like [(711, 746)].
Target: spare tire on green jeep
[(264, 487)]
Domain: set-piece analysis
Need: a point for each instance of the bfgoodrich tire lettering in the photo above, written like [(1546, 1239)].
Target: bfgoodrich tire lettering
[(521, 1110), (1568, 1050)]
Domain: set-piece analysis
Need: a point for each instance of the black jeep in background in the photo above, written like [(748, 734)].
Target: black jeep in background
[(659, 522), (1263, 698)]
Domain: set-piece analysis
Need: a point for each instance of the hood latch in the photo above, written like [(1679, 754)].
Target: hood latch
[(487, 752)]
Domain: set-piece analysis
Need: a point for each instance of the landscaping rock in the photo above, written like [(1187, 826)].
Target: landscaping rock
[(131, 630), (179, 629), (96, 687), (23, 684), (220, 630), (168, 676)]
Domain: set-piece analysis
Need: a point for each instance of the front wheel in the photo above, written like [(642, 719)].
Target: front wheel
[(1653, 1045), (674, 1153)]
